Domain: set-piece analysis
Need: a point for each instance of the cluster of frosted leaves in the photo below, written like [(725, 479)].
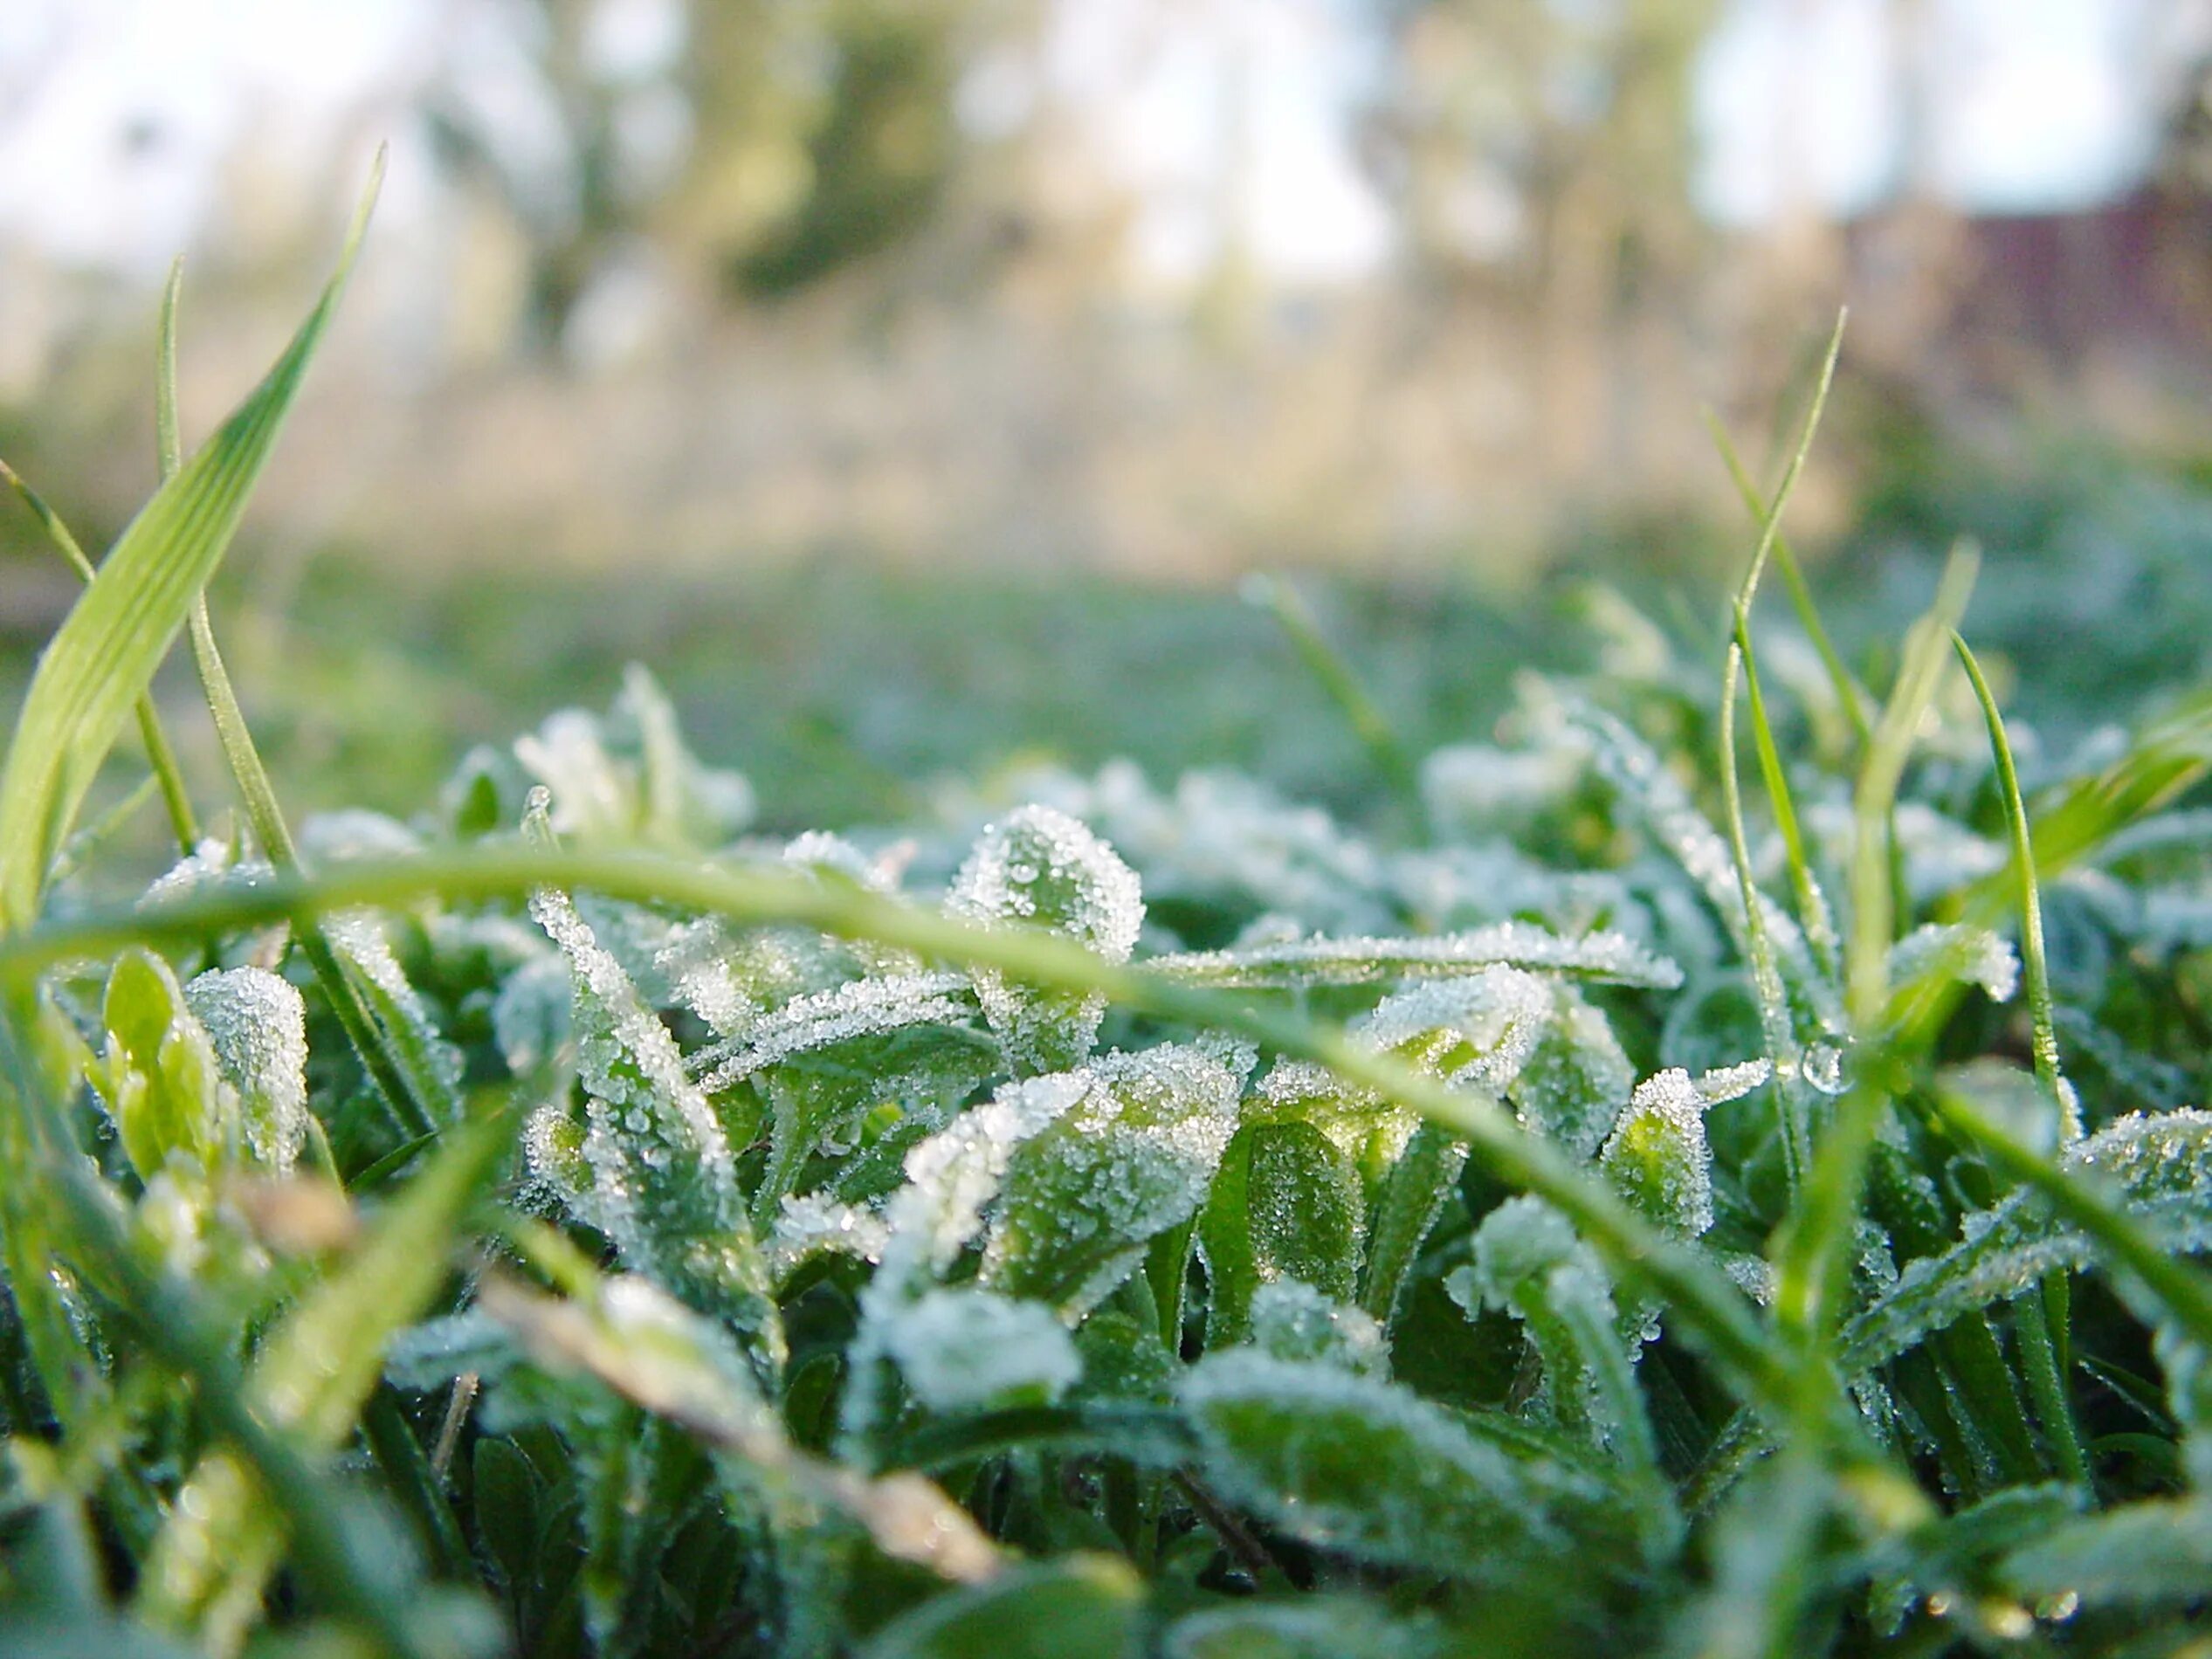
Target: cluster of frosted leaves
[(212, 1071), (624, 777), (1131, 1156), (650, 1164), (1040, 867), (2159, 1167)]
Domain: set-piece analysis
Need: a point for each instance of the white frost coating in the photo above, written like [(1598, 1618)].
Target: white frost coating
[(969, 1349), (1299, 1090), (812, 1224), (1572, 1088), (1732, 1081), (958, 1170), (1292, 1320), (1042, 867), (209, 868), (1321, 960), (858, 1008), (258, 1025), (1501, 1013), (1970, 955), (818, 849), (591, 792)]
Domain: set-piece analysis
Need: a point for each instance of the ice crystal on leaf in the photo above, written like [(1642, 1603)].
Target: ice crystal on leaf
[(1954, 951), (1476, 1033), (1608, 957), (1292, 1320), (258, 1024)]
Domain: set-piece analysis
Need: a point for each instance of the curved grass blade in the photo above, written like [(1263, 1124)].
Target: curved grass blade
[(104, 656)]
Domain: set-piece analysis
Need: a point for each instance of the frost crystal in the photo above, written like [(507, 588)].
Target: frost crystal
[(972, 1350), (1042, 867), (857, 1009), (1611, 957), (258, 1026), (1970, 955), (1576, 1079)]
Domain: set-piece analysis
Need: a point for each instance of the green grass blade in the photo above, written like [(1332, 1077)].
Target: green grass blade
[(1812, 904), (2034, 961), (1770, 521), (1810, 1246), (104, 656), (160, 755)]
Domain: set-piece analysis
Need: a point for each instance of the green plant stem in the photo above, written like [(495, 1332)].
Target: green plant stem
[(1336, 678)]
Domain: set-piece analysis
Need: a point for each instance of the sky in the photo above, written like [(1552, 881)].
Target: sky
[(1193, 103)]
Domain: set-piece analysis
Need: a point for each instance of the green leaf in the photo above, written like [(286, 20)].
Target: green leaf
[(103, 657), (1079, 1606), (159, 1075), (1130, 1158), (1369, 1470), (1285, 1204), (1316, 1628)]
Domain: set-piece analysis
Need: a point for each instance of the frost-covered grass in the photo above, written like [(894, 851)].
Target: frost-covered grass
[(1633, 1202)]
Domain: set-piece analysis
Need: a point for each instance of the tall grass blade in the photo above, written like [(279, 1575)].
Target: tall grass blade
[(104, 655)]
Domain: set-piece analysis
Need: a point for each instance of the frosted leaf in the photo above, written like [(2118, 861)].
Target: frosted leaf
[(357, 936), (1576, 1079), (812, 1224), (664, 1183), (823, 853), (553, 1148), (209, 868), (530, 1018), (158, 1075), (2159, 1167), (1287, 1203), (951, 1176), (1476, 1032), (1356, 1465), (819, 1019), (1657, 1157), (1727, 1083), (1292, 1320), (1956, 952), (973, 1349), (591, 795), (1042, 867), (1523, 1239), (2158, 1084), (1131, 1158), (433, 1353), (258, 1024), (1612, 958), (1359, 1121)]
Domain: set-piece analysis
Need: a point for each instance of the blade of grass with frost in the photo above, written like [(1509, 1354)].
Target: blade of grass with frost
[(420, 1098), (104, 656), (1810, 1243), (1812, 903), (1709, 1307), (1766, 976), (1770, 520), (207, 1572), (1336, 678), (1848, 694), (161, 755), (1296, 964), (2035, 962)]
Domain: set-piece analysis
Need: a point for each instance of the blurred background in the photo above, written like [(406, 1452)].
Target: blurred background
[(906, 379)]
